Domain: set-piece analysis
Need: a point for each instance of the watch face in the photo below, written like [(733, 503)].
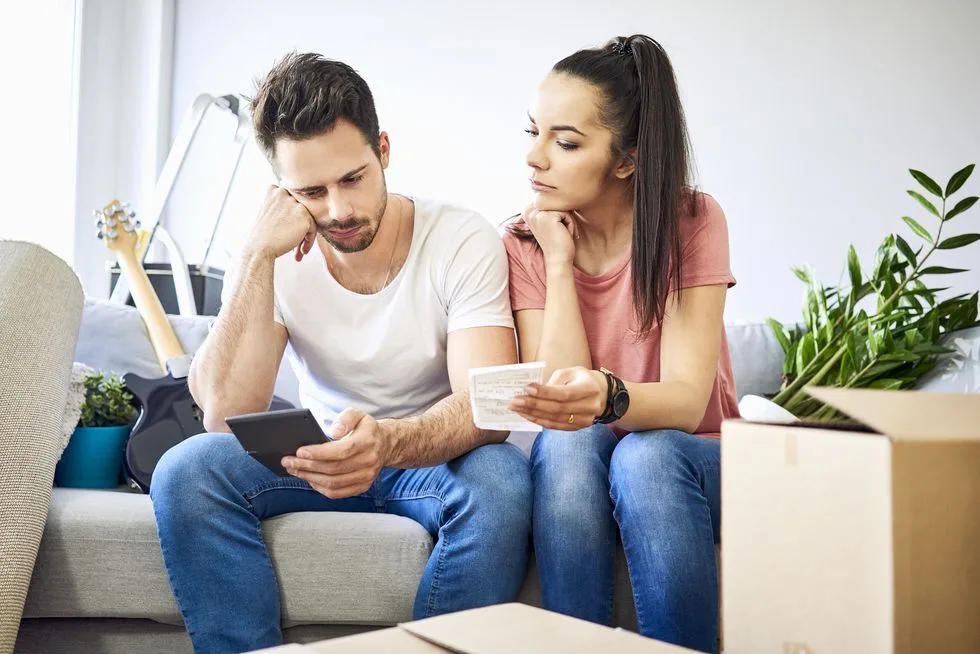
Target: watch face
[(621, 403)]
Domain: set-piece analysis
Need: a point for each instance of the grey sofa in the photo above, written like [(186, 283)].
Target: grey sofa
[(99, 584)]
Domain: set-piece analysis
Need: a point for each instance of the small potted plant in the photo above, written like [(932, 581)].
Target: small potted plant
[(93, 458)]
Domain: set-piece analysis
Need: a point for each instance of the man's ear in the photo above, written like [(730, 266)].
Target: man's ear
[(626, 165), (384, 149)]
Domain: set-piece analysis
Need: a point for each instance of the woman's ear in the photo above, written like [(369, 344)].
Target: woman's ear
[(627, 165)]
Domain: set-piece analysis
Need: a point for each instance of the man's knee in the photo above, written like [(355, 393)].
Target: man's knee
[(494, 482), (192, 462)]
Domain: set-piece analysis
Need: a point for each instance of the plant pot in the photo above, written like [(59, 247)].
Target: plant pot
[(93, 458)]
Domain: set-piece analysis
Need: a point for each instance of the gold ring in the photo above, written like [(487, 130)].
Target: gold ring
[(571, 418)]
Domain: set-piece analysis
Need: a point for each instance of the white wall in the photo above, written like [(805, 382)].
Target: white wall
[(123, 111), (804, 117), (39, 162)]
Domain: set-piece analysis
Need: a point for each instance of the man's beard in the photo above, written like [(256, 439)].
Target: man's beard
[(365, 239)]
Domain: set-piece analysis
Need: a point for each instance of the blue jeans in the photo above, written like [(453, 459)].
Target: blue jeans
[(663, 491), (209, 498)]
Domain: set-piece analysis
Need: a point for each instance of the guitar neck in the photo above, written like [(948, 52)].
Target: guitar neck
[(162, 336)]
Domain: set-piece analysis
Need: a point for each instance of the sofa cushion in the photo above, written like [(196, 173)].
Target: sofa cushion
[(114, 338), (757, 358), (100, 557), (960, 372)]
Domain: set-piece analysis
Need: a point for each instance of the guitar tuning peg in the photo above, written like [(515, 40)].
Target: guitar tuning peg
[(131, 214), (97, 213), (111, 222), (100, 235), (99, 222), (112, 233), (129, 228), (137, 224)]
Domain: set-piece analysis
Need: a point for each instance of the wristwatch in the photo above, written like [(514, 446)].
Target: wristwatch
[(617, 399)]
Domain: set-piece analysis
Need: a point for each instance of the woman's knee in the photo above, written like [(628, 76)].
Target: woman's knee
[(652, 455)]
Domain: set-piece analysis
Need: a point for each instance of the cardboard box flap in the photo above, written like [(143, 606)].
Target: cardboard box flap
[(910, 415), (522, 629)]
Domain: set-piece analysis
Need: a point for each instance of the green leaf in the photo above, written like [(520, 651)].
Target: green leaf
[(960, 207), (941, 270), (780, 333), (954, 242), (886, 384), (789, 363), (854, 267), (801, 274), (958, 180), (927, 183), (806, 352), (846, 369), (925, 203), (874, 343), (900, 355), (906, 250), (852, 349), (919, 230), (879, 369), (928, 349), (913, 375)]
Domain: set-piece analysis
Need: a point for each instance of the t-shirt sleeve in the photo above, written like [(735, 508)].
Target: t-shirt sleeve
[(705, 259), (476, 279), (526, 291), (228, 284)]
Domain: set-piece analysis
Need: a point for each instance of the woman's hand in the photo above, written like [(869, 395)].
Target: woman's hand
[(571, 400), (554, 232)]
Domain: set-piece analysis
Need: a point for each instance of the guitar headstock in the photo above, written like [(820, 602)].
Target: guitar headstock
[(117, 227)]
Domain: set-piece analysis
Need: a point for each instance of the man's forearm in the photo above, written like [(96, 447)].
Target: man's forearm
[(235, 369), (441, 434)]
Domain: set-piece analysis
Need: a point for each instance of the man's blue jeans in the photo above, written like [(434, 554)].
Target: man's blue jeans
[(209, 497), (662, 489)]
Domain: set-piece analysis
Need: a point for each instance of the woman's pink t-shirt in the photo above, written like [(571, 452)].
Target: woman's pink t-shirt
[(608, 313)]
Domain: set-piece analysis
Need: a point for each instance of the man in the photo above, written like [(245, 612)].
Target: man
[(383, 303)]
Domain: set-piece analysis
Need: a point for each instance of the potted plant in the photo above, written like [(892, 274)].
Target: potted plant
[(93, 458), (887, 327)]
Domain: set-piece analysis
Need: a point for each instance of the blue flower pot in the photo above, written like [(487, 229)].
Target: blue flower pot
[(93, 458)]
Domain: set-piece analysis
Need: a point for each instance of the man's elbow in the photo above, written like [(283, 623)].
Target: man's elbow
[(214, 423), (492, 437)]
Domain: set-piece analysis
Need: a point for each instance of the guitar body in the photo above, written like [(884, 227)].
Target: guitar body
[(168, 415)]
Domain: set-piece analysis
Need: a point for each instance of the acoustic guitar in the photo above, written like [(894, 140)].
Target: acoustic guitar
[(167, 411)]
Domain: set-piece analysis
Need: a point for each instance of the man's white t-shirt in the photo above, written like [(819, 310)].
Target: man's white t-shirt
[(386, 353)]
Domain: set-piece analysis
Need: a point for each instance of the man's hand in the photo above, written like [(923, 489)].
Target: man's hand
[(345, 467), (283, 224)]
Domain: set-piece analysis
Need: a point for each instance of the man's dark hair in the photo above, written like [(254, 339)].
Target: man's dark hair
[(304, 95)]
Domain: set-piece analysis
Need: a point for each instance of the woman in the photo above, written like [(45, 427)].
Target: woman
[(619, 272)]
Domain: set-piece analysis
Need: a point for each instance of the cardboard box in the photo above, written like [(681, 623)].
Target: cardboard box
[(503, 629), (838, 541)]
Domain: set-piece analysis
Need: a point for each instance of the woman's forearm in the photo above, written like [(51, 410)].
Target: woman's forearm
[(563, 342), (664, 405)]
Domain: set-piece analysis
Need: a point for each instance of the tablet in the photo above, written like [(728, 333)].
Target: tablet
[(271, 435)]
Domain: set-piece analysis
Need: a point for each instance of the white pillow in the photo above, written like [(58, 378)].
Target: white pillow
[(758, 409)]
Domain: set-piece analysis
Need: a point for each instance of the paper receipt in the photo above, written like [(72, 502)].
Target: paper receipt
[(492, 389)]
